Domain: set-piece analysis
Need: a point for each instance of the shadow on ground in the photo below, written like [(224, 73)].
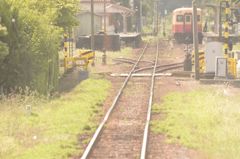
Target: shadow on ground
[(71, 79)]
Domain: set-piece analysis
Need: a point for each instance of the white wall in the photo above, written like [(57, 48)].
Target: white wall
[(84, 27)]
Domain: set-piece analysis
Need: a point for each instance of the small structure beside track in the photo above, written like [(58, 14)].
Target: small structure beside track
[(113, 42), (131, 39)]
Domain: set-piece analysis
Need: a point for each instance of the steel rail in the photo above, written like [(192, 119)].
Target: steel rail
[(169, 68), (100, 127), (125, 61), (159, 66), (141, 75), (132, 60), (146, 129)]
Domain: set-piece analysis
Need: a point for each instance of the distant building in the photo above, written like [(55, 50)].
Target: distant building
[(84, 27), (116, 17)]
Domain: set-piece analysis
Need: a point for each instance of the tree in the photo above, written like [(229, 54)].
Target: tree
[(3, 46), (34, 33)]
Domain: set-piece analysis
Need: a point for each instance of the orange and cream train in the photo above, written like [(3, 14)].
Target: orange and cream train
[(182, 25)]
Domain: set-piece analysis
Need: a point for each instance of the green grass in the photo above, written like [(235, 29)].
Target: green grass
[(53, 128), (147, 29), (203, 119), (151, 39)]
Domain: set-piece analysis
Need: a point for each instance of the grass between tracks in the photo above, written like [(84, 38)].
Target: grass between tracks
[(52, 130), (203, 119)]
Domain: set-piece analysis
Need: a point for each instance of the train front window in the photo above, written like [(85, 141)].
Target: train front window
[(188, 18), (179, 18)]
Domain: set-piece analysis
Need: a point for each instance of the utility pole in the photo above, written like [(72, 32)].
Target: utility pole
[(92, 25), (195, 39)]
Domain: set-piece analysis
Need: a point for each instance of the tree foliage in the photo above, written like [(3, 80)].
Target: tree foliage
[(30, 43)]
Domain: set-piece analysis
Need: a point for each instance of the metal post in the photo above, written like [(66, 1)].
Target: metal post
[(140, 16), (195, 39), (92, 25), (104, 61)]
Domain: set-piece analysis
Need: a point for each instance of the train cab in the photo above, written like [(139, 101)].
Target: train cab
[(182, 25)]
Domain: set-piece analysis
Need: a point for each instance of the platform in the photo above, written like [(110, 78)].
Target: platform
[(131, 39), (112, 42)]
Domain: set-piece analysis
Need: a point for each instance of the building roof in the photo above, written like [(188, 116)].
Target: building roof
[(115, 8), (111, 8)]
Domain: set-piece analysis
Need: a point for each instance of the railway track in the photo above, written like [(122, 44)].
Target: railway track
[(161, 68), (123, 133)]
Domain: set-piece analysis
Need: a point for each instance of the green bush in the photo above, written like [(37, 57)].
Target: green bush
[(34, 35)]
